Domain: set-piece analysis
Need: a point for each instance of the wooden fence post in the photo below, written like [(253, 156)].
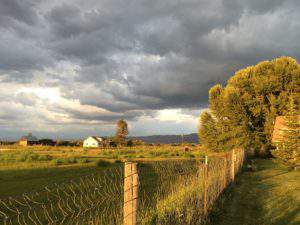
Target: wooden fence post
[(205, 185), (225, 172), (131, 184), (232, 172)]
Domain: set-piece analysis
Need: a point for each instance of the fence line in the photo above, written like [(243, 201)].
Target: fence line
[(139, 193), (203, 184), (87, 201)]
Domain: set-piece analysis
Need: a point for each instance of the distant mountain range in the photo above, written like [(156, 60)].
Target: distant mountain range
[(169, 139)]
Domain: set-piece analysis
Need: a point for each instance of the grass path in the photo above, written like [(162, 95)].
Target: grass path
[(268, 196)]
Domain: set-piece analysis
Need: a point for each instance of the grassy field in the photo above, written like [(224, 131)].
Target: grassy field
[(25, 169), (163, 172), (270, 195), (16, 181), (162, 151)]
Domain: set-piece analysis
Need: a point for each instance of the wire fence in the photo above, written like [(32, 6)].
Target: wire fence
[(94, 199), (160, 192), (183, 192)]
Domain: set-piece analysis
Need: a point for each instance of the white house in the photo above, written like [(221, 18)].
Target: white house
[(93, 142)]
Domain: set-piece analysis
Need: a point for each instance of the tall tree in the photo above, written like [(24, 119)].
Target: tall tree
[(289, 148), (122, 130), (208, 134), (245, 109)]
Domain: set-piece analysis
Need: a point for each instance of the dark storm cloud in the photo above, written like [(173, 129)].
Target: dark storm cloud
[(104, 117), (21, 10), (137, 56)]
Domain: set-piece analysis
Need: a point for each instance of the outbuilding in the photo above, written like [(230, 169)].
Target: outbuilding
[(28, 140), (93, 142)]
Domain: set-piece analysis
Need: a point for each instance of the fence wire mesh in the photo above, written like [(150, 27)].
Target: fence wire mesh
[(94, 199), (181, 192), (169, 192), (165, 186)]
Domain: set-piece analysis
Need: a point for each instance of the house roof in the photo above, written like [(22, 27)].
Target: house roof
[(97, 138), (279, 125)]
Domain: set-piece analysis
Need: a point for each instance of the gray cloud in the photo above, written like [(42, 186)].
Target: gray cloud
[(20, 10), (132, 58)]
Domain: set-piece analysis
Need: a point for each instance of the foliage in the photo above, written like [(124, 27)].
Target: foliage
[(64, 161), (103, 163), (243, 112), (129, 143), (208, 132), (122, 131), (24, 156), (288, 149)]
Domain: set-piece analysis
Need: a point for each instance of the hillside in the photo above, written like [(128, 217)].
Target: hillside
[(169, 139)]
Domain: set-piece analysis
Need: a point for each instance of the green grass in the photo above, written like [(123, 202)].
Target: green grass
[(270, 195), (16, 181), (150, 152), (24, 169)]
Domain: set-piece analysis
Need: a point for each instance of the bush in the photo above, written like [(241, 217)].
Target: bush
[(71, 160), (27, 156), (7, 157), (58, 161), (64, 161), (155, 153), (83, 160), (129, 143), (188, 155), (45, 157), (172, 154), (103, 163)]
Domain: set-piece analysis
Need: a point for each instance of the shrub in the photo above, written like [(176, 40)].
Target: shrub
[(27, 156), (71, 160), (7, 157), (123, 152), (83, 160), (129, 143), (172, 154), (103, 163), (58, 161), (45, 158), (155, 153), (188, 155), (64, 161)]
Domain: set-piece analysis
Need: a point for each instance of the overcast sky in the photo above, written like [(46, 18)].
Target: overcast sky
[(71, 68)]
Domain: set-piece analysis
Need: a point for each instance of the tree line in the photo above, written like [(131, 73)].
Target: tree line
[(242, 113)]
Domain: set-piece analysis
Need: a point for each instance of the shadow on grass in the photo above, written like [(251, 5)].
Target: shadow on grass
[(289, 217), (275, 175), (266, 196)]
